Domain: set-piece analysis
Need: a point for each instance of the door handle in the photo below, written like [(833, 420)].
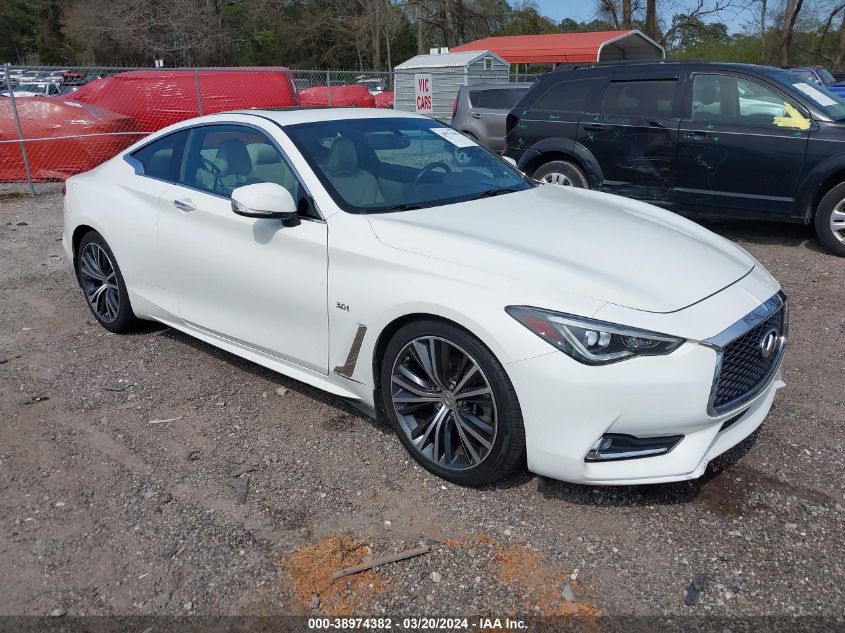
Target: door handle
[(475, 115), (593, 126), (695, 135), (184, 205)]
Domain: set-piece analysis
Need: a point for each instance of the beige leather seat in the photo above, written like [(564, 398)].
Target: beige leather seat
[(235, 163), (267, 166), (355, 185)]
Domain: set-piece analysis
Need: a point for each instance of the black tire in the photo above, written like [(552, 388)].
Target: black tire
[(563, 170), (116, 315), (833, 201), (506, 448)]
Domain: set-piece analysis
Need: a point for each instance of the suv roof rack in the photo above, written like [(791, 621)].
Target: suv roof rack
[(624, 62)]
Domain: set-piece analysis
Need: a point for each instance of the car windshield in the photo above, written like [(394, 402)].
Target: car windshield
[(387, 164), (806, 75), (826, 77), (826, 101)]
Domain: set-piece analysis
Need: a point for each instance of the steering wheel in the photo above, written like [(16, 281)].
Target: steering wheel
[(431, 167)]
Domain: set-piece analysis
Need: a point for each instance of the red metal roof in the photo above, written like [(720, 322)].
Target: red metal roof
[(547, 49)]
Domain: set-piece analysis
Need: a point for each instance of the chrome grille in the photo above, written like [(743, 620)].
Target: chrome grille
[(746, 362)]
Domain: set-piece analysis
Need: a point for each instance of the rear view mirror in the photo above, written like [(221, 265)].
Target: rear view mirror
[(388, 140), (265, 200)]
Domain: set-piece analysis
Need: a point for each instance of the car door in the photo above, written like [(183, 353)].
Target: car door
[(633, 135), (156, 165), (254, 281), (490, 108), (742, 145)]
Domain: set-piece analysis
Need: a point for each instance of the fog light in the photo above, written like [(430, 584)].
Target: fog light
[(616, 446)]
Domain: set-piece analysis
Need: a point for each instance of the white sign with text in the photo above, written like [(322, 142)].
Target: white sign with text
[(422, 91)]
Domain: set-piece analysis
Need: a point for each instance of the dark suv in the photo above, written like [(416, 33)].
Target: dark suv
[(703, 139)]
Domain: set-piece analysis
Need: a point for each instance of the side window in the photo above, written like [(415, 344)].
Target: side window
[(53, 89), (568, 96), (640, 99), (220, 158), (726, 99), (161, 159), (495, 98)]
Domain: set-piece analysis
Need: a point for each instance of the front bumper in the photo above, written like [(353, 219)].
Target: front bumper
[(567, 407)]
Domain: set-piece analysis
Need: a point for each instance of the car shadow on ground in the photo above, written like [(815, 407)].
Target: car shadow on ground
[(277, 380), (711, 489), (765, 232), (662, 494)]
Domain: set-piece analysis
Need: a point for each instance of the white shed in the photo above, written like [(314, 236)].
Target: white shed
[(447, 73)]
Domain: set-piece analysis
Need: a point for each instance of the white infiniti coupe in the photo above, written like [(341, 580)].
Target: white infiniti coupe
[(386, 258)]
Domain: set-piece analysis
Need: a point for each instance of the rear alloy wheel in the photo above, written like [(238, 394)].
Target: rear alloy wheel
[(452, 404), (103, 285), (562, 172), (830, 220)]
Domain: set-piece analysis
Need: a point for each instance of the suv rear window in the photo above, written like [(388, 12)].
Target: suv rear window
[(496, 98), (568, 96), (640, 98)]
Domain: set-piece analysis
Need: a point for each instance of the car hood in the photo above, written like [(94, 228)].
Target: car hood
[(596, 245)]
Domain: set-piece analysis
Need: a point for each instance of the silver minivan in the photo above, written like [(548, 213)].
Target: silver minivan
[(480, 111)]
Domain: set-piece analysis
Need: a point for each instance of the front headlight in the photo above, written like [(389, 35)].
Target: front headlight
[(592, 342)]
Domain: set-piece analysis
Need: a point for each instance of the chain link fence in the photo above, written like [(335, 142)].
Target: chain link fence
[(59, 121)]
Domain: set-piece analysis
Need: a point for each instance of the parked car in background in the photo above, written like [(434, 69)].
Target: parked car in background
[(78, 137), (480, 111), (376, 85), (353, 96), (34, 90), (385, 257), (704, 139), (819, 76), (76, 78), (384, 99), (156, 98)]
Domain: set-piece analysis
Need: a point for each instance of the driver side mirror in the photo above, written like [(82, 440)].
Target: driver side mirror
[(265, 200)]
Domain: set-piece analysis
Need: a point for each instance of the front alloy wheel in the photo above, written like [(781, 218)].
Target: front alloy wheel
[(451, 404), (444, 403), (830, 220), (563, 173), (555, 178), (837, 222)]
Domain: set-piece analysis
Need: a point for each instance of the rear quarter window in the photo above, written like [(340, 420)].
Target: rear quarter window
[(496, 98), (567, 96), (162, 158), (640, 98)]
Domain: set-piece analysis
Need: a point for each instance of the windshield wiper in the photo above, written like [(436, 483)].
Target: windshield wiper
[(398, 207), (496, 192)]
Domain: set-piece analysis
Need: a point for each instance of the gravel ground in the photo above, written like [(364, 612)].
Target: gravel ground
[(154, 474)]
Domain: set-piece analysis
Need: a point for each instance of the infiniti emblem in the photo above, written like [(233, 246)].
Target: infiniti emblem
[(768, 343)]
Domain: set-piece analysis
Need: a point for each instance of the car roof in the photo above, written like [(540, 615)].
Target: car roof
[(293, 116), (512, 84), (623, 68)]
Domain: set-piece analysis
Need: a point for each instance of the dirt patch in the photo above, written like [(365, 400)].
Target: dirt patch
[(541, 583), (310, 570)]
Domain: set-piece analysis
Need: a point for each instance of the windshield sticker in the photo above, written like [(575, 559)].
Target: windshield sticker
[(793, 118), (453, 136), (815, 94)]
